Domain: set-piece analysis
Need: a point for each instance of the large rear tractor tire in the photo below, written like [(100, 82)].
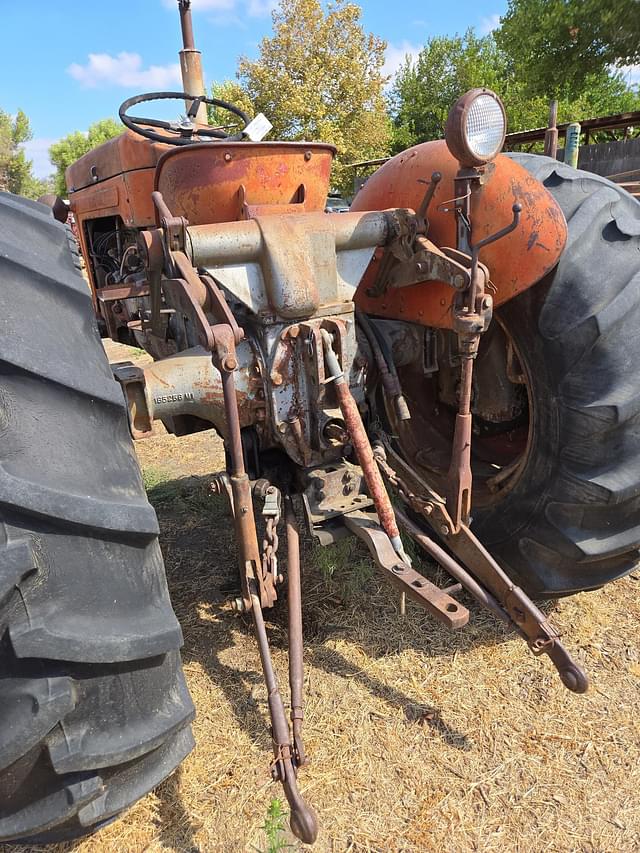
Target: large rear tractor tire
[(94, 710), (571, 521)]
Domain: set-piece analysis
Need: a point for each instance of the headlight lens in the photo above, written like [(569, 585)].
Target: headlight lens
[(485, 127), (476, 127)]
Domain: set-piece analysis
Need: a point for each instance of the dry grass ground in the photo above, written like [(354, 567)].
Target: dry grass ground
[(420, 739)]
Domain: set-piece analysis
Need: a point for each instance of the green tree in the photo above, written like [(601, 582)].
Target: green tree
[(68, 149), (232, 92), (16, 171), (319, 77), (559, 45), (446, 67), (425, 89)]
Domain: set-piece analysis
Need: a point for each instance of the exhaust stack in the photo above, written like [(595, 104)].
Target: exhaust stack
[(190, 61)]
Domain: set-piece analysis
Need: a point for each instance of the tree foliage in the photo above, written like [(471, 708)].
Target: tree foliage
[(446, 67), (16, 171), (68, 149), (232, 92), (319, 77), (561, 45)]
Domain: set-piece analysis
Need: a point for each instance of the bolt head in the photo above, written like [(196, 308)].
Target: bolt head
[(444, 529), (228, 156), (230, 363), (276, 378)]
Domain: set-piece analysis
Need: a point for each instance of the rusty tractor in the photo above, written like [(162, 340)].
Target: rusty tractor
[(452, 360)]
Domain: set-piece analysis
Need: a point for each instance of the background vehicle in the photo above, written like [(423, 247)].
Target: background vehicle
[(343, 359), (336, 204)]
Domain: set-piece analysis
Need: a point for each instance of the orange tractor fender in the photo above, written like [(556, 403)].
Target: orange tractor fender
[(515, 263)]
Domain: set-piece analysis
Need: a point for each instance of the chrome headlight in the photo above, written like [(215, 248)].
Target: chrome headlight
[(476, 127)]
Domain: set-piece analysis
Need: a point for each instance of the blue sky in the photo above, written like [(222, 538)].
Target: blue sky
[(80, 60)]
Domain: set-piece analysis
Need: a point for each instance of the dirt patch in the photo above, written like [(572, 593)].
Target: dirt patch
[(420, 739)]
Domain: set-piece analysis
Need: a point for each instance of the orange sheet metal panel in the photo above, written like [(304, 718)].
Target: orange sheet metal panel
[(125, 153), (515, 263), (127, 195), (222, 182)]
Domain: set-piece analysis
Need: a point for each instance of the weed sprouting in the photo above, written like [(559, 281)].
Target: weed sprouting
[(274, 827)]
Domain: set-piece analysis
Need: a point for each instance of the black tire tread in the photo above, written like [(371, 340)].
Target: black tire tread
[(94, 708), (582, 528)]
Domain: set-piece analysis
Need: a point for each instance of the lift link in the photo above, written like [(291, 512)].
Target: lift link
[(472, 313), (486, 581), (259, 592)]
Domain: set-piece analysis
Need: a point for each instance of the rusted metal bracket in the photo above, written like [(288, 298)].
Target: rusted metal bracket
[(174, 227), (429, 263), (490, 584), (126, 291), (405, 579)]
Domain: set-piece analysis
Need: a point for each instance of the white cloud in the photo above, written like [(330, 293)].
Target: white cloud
[(261, 8), (489, 24), (125, 69), (396, 55), (38, 150), (631, 74), (253, 8)]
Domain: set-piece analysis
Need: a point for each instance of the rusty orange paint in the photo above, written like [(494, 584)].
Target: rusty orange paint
[(125, 153), (515, 263), (114, 179), (222, 182)]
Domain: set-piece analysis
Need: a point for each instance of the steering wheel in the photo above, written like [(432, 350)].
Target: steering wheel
[(186, 130)]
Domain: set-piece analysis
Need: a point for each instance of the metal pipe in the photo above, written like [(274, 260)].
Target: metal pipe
[(190, 384), (296, 663), (362, 447), (242, 242), (191, 62), (551, 133), (303, 820), (186, 24)]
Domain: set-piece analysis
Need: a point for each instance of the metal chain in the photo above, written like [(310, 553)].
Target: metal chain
[(271, 541)]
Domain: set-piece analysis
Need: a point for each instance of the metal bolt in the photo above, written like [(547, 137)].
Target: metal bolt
[(458, 281), (444, 529), (230, 363), (307, 155), (419, 267), (228, 156), (294, 331), (238, 605), (276, 378), (427, 509), (282, 427)]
